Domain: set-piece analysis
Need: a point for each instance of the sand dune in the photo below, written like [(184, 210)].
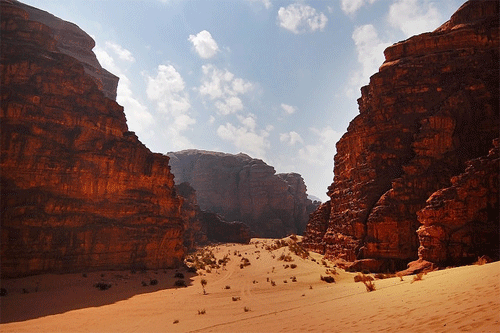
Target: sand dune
[(465, 299)]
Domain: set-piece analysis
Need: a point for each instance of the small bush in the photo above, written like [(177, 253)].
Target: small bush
[(417, 277), (202, 312), (273, 283), (102, 285), (370, 286), (179, 275), (362, 278), (180, 283), (285, 281), (176, 321), (227, 287), (192, 269), (246, 309), (3, 292), (327, 279), (294, 279), (144, 284), (293, 266), (153, 282), (235, 298)]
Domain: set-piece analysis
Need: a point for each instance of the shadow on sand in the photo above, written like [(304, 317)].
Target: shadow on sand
[(49, 294)]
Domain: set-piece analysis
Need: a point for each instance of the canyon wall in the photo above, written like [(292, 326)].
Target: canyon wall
[(241, 188), (431, 108), (78, 190)]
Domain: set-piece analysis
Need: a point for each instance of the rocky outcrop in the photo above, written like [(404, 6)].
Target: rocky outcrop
[(460, 223), (78, 190), (432, 106), (204, 227), (241, 188)]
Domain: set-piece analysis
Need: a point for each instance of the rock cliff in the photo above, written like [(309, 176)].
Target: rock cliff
[(432, 106), (78, 190), (203, 227), (460, 222), (241, 188)]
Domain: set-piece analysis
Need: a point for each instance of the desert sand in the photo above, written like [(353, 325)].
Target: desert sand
[(463, 299)]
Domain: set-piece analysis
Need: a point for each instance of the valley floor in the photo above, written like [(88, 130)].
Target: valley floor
[(464, 299)]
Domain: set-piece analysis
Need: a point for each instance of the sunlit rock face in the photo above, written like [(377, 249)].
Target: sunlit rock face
[(432, 107), (244, 189), (78, 190)]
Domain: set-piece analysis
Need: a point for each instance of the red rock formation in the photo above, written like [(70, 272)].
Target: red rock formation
[(241, 188), (78, 190), (460, 223), (203, 227), (432, 106)]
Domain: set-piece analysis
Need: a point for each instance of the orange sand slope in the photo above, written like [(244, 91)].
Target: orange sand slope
[(245, 300)]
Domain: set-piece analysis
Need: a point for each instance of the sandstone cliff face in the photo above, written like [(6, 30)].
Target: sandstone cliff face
[(79, 191), (244, 189), (203, 227), (460, 223), (432, 106)]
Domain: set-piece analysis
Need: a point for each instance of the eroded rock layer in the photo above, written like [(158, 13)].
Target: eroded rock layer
[(78, 190), (432, 106), (460, 223), (241, 188)]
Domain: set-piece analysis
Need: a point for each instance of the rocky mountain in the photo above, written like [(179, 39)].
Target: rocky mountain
[(432, 107), (241, 188), (78, 190), (203, 227)]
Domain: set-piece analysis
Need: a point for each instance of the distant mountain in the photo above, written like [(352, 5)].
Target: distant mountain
[(241, 188)]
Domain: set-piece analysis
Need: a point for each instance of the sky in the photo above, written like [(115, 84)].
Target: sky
[(276, 80)]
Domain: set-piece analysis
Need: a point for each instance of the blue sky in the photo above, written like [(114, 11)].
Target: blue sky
[(277, 80)]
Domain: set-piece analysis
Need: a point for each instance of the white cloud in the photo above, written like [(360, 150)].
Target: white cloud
[(413, 17), (167, 90), (204, 44), (349, 7), (288, 108), (245, 137), (266, 3), (300, 18), (139, 119), (320, 154), (122, 53), (291, 138), (223, 89), (370, 51)]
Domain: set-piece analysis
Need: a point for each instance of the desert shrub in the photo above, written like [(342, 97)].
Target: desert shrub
[(180, 283), (285, 281), (298, 250), (202, 312), (176, 321), (293, 266), (273, 283), (3, 292), (417, 277), (294, 279), (179, 275), (245, 262), (400, 276), (153, 282), (286, 266), (203, 283), (102, 285), (144, 284), (234, 298), (246, 309), (192, 269), (362, 278), (285, 257), (227, 287), (293, 237), (370, 286), (327, 279)]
